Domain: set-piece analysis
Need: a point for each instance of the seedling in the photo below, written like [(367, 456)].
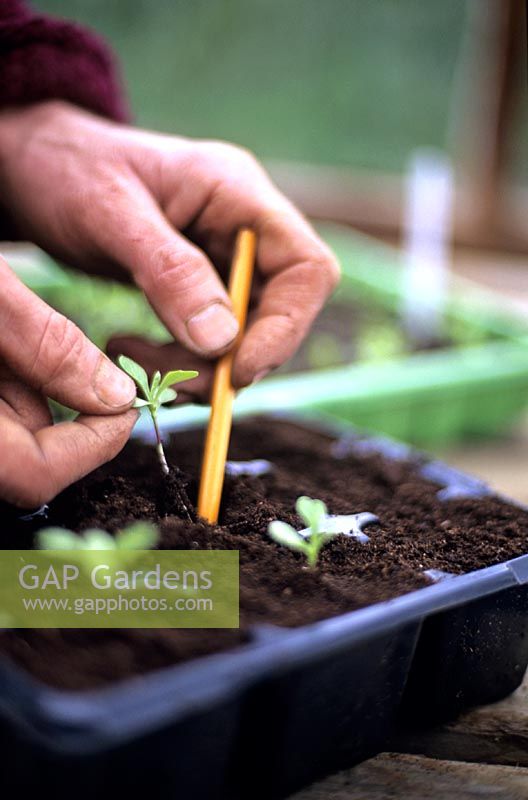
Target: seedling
[(132, 539), (136, 536), (313, 513), (155, 394)]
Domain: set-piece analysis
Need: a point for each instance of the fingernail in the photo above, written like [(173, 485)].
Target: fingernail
[(212, 328), (112, 386), (260, 376)]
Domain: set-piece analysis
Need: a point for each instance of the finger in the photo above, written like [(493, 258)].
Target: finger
[(49, 352), (299, 273), (297, 269), (22, 403), (35, 468), (164, 358), (177, 277)]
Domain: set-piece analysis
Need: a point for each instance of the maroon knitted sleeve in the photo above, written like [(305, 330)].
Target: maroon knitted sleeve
[(42, 58)]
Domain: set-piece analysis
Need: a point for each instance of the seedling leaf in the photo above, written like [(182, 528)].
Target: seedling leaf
[(284, 534), (176, 376), (137, 536), (311, 511), (57, 539), (136, 372), (96, 539), (167, 396), (156, 380)]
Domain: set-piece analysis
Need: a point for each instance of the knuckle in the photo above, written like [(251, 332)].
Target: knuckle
[(48, 112), (61, 343), (175, 270), (326, 265), (232, 154), (74, 451), (246, 157), (287, 326), (98, 197), (332, 269), (111, 182)]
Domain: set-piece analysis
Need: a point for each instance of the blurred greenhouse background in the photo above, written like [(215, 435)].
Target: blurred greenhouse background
[(342, 82), (347, 87)]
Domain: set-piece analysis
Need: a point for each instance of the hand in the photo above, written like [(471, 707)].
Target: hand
[(114, 200), (43, 354)]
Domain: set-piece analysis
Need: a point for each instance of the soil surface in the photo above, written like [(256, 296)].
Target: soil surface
[(417, 531)]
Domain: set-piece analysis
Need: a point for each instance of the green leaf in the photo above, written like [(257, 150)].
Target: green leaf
[(167, 396), (156, 380), (96, 539), (176, 376), (311, 511), (137, 536), (284, 534), (58, 539), (140, 403), (136, 372)]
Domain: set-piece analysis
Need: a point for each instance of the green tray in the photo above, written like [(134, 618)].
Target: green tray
[(428, 399), (372, 272)]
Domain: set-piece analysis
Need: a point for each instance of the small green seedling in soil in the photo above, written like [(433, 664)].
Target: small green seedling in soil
[(313, 513), (133, 538), (155, 394), (136, 536)]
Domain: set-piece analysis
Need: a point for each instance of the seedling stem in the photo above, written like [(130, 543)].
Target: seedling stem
[(155, 393), (159, 445)]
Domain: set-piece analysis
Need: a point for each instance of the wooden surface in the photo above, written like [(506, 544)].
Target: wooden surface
[(484, 754), (496, 734), (390, 776)]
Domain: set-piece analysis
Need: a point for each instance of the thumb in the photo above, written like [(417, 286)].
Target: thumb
[(178, 279), (50, 353)]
